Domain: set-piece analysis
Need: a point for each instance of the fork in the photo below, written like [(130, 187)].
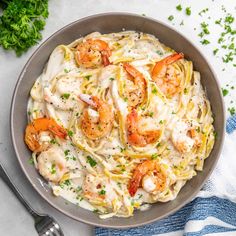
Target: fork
[(45, 225)]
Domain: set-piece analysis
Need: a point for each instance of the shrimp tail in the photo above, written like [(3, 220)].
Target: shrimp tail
[(166, 61), (39, 125)]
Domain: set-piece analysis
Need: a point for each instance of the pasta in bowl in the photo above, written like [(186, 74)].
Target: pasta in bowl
[(117, 122)]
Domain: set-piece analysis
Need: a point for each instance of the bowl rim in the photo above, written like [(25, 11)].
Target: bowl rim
[(80, 219)]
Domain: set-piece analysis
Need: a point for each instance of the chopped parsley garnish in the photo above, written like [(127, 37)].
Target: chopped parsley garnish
[(154, 156), (179, 7), (70, 133), (87, 77), (171, 17), (159, 52), (185, 90), (205, 28), (31, 161), (29, 113), (126, 99), (151, 114), (229, 19), (122, 149), (232, 111), (102, 192), (215, 134), (215, 51), (119, 184), (188, 11), (111, 79), (161, 122), (66, 70), (203, 11), (66, 152), (224, 92), (91, 161), (231, 46), (53, 169), (205, 42), (65, 96), (67, 182), (154, 91), (228, 57)]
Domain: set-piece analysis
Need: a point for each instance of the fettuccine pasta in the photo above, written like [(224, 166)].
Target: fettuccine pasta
[(118, 121)]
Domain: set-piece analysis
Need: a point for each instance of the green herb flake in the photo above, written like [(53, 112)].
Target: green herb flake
[(66, 152), (205, 42), (171, 17), (203, 11), (229, 19), (111, 79), (154, 156), (67, 182), (215, 51), (102, 192), (53, 169), (151, 114), (29, 113), (154, 91), (87, 77), (232, 111), (188, 11), (224, 92), (159, 52), (185, 90), (215, 134), (65, 96), (179, 7), (31, 161), (70, 133), (231, 46), (91, 161), (66, 70)]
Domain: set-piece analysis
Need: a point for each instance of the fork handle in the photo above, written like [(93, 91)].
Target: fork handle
[(8, 181)]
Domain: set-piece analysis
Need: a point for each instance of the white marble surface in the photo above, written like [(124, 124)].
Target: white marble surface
[(14, 220)]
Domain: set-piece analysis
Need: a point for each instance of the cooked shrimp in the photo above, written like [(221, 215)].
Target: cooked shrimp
[(52, 164), (96, 124), (33, 130), (151, 174), (135, 93), (98, 190), (185, 136), (165, 76), (137, 137), (92, 53)]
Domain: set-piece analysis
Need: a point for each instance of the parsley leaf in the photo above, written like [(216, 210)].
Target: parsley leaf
[(102, 192), (21, 23), (171, 17), (225, 92), (188, 11), (91, 161), (179, 7), (65, 96)]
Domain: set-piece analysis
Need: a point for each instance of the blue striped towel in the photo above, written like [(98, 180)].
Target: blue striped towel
[(212, 212)]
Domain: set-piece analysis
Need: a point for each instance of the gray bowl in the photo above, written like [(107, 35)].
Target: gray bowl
[(106, 23)]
